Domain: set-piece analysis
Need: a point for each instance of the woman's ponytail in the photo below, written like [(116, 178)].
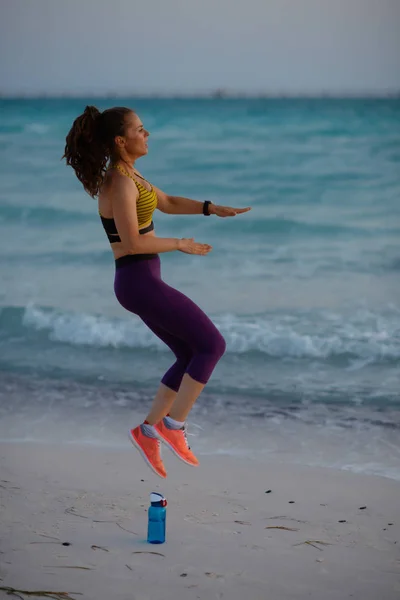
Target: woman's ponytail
[(90, 144)]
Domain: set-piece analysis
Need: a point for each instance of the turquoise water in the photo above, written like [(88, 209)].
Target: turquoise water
[(305, 287)]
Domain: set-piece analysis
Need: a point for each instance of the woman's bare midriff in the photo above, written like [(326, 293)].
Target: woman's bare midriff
[(118, 247)]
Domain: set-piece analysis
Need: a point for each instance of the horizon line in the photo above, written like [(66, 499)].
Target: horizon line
[(216, 95)]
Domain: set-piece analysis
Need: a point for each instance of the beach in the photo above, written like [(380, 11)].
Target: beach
[(74, 519)]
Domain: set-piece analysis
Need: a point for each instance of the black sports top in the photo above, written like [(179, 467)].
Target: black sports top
[(111, 229)]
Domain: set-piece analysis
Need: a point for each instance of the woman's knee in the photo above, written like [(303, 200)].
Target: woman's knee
[(206, 358), (221, 345), (216, 345)]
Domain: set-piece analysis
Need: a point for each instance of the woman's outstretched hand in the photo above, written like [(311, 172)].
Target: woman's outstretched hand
[(226, 211), (189, 246)]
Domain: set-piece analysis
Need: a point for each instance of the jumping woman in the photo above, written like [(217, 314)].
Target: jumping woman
[(102, 148)]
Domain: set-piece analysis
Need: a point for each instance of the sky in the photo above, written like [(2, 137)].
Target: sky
[(96, 47)]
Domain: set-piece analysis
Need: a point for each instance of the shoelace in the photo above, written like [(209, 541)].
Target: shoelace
[(158, 442), (184, 430)]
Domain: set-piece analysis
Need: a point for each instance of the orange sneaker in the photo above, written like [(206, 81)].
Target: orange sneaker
[(149, 449), (176, 440)]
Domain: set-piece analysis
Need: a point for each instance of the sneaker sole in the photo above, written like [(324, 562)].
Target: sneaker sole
[(134, 442), (167, 443)]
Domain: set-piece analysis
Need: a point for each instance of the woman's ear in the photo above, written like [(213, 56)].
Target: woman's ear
[(119, 141)]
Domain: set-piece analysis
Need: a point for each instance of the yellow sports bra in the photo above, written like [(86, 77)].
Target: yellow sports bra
[(146, 204)]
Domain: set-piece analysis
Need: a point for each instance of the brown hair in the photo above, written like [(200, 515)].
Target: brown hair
[(90, 144)]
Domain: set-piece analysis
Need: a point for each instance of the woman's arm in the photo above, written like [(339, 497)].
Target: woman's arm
[(124, 196), (177, 205)]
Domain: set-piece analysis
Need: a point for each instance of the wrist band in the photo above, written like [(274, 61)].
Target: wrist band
[(206, 204)]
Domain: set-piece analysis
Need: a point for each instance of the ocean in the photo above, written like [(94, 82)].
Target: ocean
[(305, 287)]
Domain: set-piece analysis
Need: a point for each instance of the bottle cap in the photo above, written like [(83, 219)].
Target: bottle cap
[(157, 499)]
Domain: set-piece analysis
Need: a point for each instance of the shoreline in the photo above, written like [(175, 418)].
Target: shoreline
[(356, 439), (236, 527)]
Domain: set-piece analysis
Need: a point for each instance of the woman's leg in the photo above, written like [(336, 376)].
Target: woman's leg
[(161, 405), (170, 313), (169, 424), (172, 379), (140, 289), (187, 395)]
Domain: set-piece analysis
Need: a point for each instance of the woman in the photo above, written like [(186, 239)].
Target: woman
[(102, 148)]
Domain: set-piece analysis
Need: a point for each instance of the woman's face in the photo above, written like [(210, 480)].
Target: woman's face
[(134, 142)]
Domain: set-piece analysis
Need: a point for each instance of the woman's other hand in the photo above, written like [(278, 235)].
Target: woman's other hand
[(189, 246)]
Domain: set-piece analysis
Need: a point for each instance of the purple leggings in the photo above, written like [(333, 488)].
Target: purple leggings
[(172, 316)]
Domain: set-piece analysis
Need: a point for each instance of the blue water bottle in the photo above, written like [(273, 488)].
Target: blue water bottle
[(156, 519)]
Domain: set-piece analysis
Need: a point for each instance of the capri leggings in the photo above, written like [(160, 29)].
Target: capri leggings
[(172, 316)]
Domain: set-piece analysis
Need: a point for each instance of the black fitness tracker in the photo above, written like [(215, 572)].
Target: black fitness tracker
[(206, 204)]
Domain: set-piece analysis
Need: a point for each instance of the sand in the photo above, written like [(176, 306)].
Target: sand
[(73, 519)]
